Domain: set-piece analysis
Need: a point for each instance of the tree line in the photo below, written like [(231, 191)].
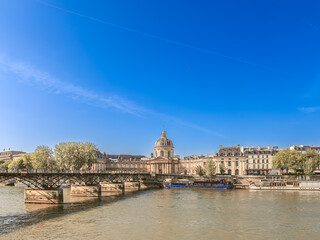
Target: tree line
[(304, 162), (209, 169), (65, 156)]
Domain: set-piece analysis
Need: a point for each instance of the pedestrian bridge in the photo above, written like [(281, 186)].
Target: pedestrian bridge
[(58, 179), (46, 187)]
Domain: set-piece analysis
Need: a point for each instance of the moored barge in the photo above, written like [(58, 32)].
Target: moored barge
[(200, 184)]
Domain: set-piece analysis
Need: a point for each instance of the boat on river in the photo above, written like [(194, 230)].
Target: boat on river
[(286, 185), (202, 184)]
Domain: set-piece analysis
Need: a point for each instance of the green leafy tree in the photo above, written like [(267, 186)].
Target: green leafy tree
[(287, 158), (17, 164), (222, 168), (281, 159), (75, 155), (200, 171), (27, 160), (210, 168), (5, 165), (43, 158), (295, 160), (311, 160)]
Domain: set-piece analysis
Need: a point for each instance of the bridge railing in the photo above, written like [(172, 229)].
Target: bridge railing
[(71, 171)]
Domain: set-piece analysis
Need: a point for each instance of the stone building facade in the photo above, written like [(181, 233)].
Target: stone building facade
[(10, 155), (236, 160), (259, 160), (188, 164), (305, 148), (164, 161), (122, 162), (231, 159)]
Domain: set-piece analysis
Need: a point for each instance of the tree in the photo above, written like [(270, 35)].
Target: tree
[(295, 160), (222, 168), (42, 158), (200, 171), (281, 159), (5, 165), (210, 168), (17, 164), (75, 155), (27, 160), (287, 158), (311, 160)]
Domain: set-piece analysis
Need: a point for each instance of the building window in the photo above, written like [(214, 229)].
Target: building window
[(262, 160), (266, 160), (267, 166), (229, 171), (258, 166), (229, 163), (222, 162), (254, 161), (254, 166), (161, 153), (258, 161), (168, 154), (247, 161), (237, 172), (237, 164)]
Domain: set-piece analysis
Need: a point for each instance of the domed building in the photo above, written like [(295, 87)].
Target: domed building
[(163, 161), (164, 147)]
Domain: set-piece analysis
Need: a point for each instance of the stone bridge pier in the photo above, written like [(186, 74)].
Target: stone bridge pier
[(112, 188), (82, 190), (43, 195)]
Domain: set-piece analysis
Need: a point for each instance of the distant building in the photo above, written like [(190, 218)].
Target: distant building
[(232, 159), (304, 148), (121, 162), (164, 161), (188, 164), (236, 160), (10, 155), (259, 160)]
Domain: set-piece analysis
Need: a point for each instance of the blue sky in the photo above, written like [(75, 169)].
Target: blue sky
[(116, 73)]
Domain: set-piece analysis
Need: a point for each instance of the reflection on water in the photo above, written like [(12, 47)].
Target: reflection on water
[(168, 214), (15, 213)]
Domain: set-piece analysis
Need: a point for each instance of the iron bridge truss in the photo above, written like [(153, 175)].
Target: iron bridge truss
[(56, 180)]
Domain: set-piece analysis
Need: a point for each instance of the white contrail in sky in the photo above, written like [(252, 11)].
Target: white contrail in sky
[(26, 73), (152, 35), (33, 76)]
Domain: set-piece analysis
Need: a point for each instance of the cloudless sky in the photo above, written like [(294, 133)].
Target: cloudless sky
[(116, 73)]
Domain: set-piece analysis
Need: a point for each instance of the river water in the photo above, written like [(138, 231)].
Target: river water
[(165, 214)]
